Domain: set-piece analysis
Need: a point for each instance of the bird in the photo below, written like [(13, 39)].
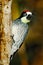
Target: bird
[(19, 30)]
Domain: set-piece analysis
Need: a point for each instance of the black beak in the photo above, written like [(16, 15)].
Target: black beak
[(29, 17)]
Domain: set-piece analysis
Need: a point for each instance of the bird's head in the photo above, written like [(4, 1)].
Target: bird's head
[(26, 16)]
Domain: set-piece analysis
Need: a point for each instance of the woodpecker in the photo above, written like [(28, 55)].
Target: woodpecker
[(19, 30)]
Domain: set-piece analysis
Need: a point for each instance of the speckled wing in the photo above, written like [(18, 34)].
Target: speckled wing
[(19, 31)]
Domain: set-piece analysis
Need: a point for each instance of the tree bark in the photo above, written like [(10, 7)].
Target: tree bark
[(5, 31)]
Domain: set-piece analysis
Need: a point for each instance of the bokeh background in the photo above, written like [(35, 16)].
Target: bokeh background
[(19, 5), (32, 48)]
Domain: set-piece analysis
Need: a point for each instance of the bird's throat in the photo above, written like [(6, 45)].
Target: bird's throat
[(24, 20)]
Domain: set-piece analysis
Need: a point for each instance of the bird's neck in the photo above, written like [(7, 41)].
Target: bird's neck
[(24, 20)]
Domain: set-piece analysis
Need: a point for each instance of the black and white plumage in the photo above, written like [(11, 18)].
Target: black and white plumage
[(19, 30)]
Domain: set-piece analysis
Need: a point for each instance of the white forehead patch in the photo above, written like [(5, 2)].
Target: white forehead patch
[(29, 13)]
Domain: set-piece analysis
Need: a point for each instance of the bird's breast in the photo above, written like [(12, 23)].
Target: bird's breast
[(19, 31)]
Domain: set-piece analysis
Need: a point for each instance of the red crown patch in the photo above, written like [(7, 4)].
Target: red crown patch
[(26, 11)]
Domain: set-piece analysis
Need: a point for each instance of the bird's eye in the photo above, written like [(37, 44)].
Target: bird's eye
[(24, 14)]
